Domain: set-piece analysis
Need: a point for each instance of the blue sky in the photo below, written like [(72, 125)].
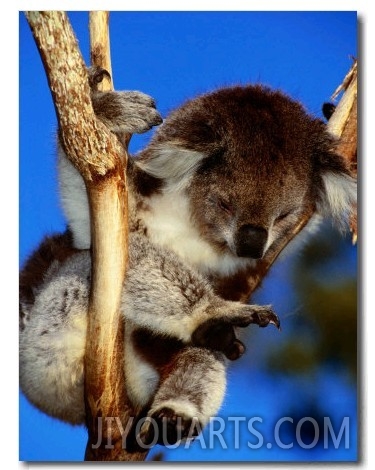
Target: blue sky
[(171, 56)]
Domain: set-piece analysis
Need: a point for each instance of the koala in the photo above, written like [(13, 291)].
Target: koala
[(224, 180), (177, 332)]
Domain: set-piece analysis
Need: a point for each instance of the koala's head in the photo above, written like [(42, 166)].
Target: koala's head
[(252, 161)]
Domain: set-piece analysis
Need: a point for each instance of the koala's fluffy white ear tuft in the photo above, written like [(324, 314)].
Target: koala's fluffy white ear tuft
[(175, 165), (339, 195)]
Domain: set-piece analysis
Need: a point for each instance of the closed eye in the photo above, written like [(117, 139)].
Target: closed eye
[(283, 216), (225, 206)]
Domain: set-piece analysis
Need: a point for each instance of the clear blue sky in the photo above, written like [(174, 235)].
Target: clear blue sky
[(171, 56)]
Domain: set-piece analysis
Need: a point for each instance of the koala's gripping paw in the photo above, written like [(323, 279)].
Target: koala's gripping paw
[(219, 333), (166, 426), (130, 112)]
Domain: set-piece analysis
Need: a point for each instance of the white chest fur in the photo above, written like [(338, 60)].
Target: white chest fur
[(169, 223)]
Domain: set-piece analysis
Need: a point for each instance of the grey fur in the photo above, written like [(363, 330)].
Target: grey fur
[(160, 294)]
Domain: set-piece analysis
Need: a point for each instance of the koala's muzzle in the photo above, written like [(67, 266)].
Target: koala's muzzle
[(251, 241)]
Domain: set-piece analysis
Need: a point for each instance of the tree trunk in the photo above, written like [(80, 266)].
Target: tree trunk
[(101, 160)]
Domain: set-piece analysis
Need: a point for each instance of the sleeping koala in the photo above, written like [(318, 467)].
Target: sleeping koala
[(225, 179)]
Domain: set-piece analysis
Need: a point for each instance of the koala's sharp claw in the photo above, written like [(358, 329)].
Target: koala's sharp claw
[(265, 317), (276, 323)]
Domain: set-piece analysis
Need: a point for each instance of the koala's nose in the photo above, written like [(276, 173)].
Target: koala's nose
[(251, 241)]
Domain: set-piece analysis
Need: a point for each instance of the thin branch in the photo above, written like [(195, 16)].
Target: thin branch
[(103, 246), (100, 158), (100, 54)]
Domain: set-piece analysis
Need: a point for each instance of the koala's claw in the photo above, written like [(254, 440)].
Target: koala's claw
[(166, 427), (219, 333), (96, 75), (266, 316)]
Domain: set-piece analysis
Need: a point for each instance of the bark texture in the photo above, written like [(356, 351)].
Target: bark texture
[(101, 160), (343, 124)]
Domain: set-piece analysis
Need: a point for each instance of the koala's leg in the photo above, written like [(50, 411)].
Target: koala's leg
[(190, 392)]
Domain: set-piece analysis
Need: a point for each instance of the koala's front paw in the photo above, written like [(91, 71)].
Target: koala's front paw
[(219, 334), (130, 112), (262, 316), (167, 426)]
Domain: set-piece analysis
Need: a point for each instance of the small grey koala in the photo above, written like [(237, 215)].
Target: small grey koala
[(168, 308)]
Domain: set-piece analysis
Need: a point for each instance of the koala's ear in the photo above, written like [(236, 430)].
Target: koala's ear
[(173, 164), (337, 187)]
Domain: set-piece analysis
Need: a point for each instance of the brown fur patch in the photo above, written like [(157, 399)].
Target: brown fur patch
[(157, 350), (235, 287), (56, 247)]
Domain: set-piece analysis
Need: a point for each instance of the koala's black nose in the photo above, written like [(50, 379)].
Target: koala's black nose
[(250, 241)]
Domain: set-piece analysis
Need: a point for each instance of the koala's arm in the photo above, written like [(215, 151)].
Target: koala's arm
[(129, 112), (166, 296)]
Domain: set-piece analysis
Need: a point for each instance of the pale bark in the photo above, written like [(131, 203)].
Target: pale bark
[(100, 50), (101, 160), (343, 124)]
